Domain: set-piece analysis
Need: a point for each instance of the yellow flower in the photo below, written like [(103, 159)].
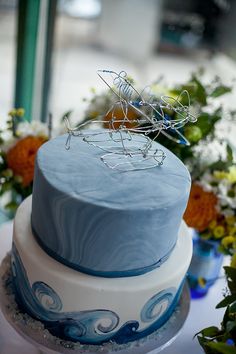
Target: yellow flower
[(212, 224), (220, 174), (232, 230), (230, 176), (231, 220), (160, 90), (202, 282), (93, 114), (7, 173), (12, 112), (233, 261), (20, 112), (227, 241), (219, 231), (16, 112)]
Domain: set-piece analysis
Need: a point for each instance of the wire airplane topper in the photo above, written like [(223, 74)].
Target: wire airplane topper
[(126, 143)]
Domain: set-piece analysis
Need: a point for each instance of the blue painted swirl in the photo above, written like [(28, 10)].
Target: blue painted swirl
[(47, 297), (89, 327), (157, 305)]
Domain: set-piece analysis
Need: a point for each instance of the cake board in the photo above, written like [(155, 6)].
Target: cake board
[(33, 331)]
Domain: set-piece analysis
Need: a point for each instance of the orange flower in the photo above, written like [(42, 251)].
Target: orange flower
[(20, 158), (118, 118), (201, 208)]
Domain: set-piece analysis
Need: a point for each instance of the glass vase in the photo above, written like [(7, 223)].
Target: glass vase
[(205, 265)]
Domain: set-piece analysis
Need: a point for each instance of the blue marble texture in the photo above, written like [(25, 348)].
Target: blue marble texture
[(101, 221), (89, 327)]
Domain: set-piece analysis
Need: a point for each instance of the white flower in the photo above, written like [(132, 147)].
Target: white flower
[(34, 128), (210, 152), (8, 141), (223, 188), (206, 186), (206, 182), (228, 212), (100, 104), (24, 129)]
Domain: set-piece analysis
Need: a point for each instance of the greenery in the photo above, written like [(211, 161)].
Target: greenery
[(204, 102), (222, 340)]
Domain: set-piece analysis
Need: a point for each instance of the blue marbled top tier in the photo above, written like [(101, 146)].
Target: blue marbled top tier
[(102, 221)]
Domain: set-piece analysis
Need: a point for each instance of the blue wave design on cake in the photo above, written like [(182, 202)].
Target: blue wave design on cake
[(155, 307), (47, 297), (88, 327)]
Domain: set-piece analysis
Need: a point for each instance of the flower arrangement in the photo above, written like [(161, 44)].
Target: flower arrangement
[(211, 208), (19, 143), (205, 100), (204, 104)]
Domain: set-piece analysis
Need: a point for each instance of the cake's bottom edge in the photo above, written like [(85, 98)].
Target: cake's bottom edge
[(35, 332)]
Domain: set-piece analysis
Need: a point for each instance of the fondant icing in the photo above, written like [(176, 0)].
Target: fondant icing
[(90, 309), (103, 221)]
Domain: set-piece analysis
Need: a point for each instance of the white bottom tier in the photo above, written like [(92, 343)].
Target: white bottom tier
[(89, 309)]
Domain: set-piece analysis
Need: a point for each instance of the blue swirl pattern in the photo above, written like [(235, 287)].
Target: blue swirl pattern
[(88, 327), (157, 305), (47, 297)]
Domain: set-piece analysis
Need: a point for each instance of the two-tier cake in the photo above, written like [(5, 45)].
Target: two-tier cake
[(101, 254)]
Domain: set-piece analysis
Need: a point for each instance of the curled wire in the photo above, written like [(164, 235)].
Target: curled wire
[(151, 117)]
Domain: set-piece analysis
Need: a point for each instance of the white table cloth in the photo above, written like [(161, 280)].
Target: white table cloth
[(202, 314)]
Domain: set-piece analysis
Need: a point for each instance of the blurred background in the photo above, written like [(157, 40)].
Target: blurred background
[(51, 50)]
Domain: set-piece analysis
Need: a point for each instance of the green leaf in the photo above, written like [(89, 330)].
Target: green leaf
[(200, 93), (204, 344), (233, 308), (230, 273), (202, 340), (206, 122), (229, 153), (220, 90), (222, 348), (226, 318), (226, 301), (220, 165), (6, 186), (210, 331), (230, 326), (12, 206), (231, 286)]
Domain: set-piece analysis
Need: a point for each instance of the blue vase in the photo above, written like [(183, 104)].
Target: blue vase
[(205, 266)]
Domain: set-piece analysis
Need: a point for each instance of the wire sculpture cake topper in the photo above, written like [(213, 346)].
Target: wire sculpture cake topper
[(126, 143)]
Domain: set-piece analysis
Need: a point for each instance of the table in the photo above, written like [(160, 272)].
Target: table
[(202, 314)]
